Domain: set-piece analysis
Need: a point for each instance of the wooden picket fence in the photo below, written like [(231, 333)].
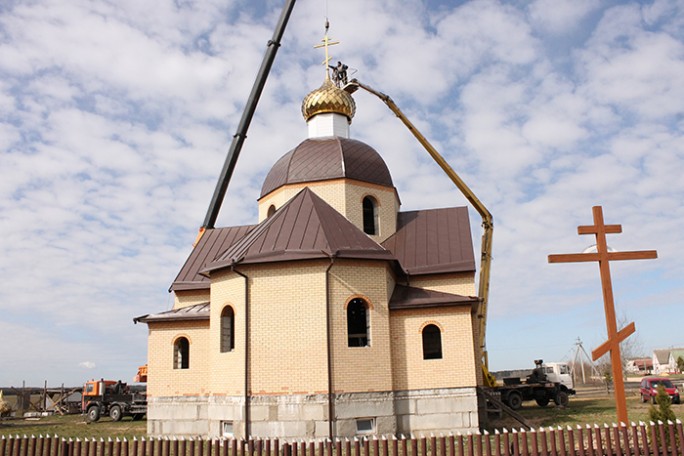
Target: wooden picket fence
[(624, 440)]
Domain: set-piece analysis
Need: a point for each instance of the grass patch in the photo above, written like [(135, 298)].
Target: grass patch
[(580, 411), (74, 426)]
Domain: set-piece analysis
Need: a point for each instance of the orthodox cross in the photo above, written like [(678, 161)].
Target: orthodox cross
[(604, 256), (326, 42)]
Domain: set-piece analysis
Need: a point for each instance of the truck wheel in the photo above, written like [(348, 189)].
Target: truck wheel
[(115, 413), (542, 401), (93, 413), (514, 400), (561, 399), (138, 416)]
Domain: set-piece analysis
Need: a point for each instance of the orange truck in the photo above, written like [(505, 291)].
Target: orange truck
[(113, 398)]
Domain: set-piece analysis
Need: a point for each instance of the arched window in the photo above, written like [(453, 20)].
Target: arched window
[(271, 210), (227, 329), (432, 342), (357, 323), (181, 353), (370, 216)]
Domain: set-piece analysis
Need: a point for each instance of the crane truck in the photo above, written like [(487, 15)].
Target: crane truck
[(547, 382), (113, 398)]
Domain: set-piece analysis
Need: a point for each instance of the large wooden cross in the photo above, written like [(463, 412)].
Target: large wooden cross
[(604, 256)]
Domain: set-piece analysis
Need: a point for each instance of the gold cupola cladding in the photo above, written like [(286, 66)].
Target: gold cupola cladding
[(328, 98)]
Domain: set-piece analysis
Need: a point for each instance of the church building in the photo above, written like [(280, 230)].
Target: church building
[(336, 314)]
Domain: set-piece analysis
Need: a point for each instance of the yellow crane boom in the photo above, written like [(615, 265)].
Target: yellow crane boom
[(487, 220)]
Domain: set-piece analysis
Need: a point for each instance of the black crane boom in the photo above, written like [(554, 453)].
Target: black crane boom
[(250, 107)]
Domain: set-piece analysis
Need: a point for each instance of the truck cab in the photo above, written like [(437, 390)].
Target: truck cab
[(559, 373)]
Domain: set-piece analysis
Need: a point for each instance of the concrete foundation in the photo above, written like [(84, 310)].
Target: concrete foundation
[(417, 412), (178, 416), (425, 412)]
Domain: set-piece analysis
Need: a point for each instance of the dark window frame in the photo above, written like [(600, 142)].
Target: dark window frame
[(227, 333), (358, 323), (432, 341), (181, 353), (370, 215)]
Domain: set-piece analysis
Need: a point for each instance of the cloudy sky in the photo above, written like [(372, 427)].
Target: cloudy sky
[(116, 116)]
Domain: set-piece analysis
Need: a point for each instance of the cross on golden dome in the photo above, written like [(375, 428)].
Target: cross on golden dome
[(326, 43)]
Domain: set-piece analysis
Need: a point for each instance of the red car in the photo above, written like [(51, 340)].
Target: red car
[(649, 388)]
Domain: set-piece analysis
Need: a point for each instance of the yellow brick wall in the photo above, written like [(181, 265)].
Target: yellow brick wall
[(288, 328), (292, 296), (163, 379), (358, 369), (346, 196), (227, 375), (288, 340), (186, 298), (462, 283), (387, 207), (457, 366)]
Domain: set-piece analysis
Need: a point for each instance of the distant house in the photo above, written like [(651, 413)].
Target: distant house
[(639, 366), (665, 360)]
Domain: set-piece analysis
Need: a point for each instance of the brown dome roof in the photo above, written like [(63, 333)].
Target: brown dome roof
[(318, 159)]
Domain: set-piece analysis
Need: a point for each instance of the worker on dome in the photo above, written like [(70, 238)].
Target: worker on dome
[(339, 74)]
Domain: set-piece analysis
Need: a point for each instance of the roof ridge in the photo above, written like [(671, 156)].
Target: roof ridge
[(327, 225), (250, 238), (313, 229)]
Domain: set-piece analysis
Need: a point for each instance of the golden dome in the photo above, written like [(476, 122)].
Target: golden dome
[(328, 98)]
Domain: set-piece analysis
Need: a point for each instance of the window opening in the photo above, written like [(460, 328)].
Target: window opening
[(227, 429), (365, 425), (227, 329), (370, 216), (181, 354), (432, 342), (271, 210), (357, 323)]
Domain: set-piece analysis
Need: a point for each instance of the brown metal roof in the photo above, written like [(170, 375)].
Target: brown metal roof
[(405, 297), (305, 228), (317, 159), (196, 312), (212, 244), (433, 241)]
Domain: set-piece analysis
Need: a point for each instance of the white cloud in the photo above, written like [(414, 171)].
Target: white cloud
[(558, 17), (114, 124)]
